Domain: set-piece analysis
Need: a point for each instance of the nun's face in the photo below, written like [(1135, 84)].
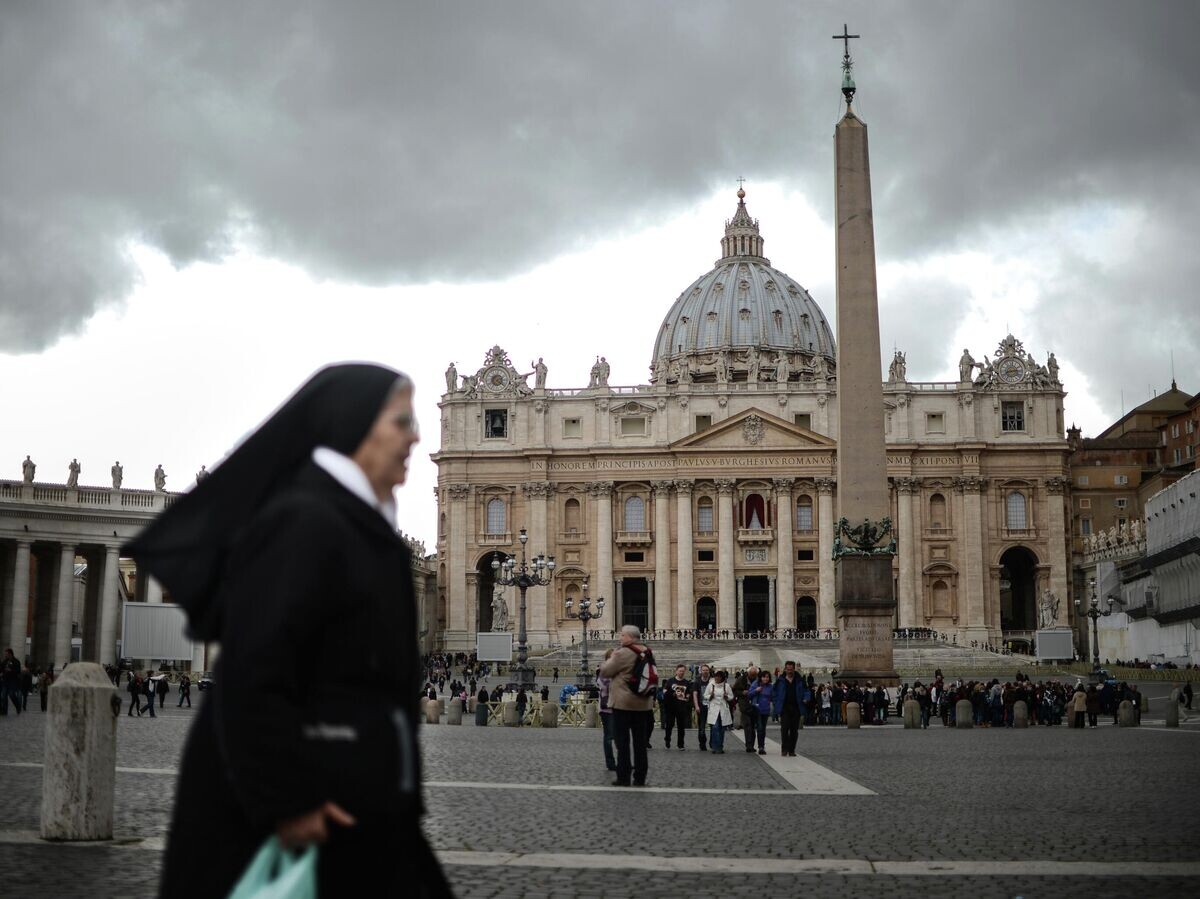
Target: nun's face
[(383, 454)]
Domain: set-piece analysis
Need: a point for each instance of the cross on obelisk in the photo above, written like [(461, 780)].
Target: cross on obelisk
[(845, 37), (847, 78)]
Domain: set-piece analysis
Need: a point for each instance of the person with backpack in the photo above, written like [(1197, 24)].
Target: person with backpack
[(631, 697)]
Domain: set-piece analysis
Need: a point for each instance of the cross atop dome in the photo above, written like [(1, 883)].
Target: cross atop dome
[(741, 232)]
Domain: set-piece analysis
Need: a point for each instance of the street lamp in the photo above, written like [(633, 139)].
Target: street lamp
[(585, 614), (536, 573), (1093, 612)]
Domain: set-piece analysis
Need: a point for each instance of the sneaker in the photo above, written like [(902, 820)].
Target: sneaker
[(762, 752), (681, 748)]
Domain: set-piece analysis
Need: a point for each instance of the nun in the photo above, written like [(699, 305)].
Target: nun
[(288, 556)]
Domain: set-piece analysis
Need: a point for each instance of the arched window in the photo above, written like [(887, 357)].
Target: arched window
[(1016, 512), (442, 524), (756, 512), (941, 598), (704, 515), (937, 512), (495, 516), (635, 514), (804, 513), (571, 516)]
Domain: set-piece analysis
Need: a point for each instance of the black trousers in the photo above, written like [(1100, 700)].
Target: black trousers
[(702, 727), (677, 719), (789, 727), (630, 726), (748, 728)]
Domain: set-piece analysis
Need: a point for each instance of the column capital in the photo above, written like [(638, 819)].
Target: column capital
[(824, 485), (458, 491), (1057, 485), (907, 486), (741, 579), (783, 486), (970, 484), (538, 488), (724, 486), (662, 488), (684, 488), (600, 488)]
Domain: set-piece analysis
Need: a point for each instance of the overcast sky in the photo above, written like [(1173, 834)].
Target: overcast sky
[(200, 203)]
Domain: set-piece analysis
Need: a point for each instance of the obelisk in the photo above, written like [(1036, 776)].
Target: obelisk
[(863, 546)]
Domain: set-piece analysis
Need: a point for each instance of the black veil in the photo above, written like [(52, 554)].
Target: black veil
[(186, 548)]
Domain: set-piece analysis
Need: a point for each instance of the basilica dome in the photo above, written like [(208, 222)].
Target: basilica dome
[(743, 302)]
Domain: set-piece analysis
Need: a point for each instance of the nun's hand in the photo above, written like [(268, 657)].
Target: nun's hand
[(304, 830)]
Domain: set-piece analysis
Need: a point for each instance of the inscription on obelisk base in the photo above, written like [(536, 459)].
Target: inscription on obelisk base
[(865, 610)]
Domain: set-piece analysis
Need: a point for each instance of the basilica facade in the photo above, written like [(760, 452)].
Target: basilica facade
[(707, 497)]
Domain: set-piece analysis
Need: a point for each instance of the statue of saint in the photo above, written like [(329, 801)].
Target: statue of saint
[(1135, 530), (539, 374), (202, 474), (754, 361), (160, 479), (594, 379), (783, 369), (451, 379), (28, 470), (820, 369), (966, 366), (1048, 609), (684, 374), (73, 473), (118, 475), (722, 368), (1052, 369), (602, 372), (897, 370), (499, 610)]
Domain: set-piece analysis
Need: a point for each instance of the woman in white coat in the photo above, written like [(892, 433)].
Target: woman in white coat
[(718, 694)]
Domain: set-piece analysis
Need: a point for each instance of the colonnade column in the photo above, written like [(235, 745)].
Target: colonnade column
[(154, 590), (456, 568), (662, 556), (110, 606), (726, 598), (741, 602), (18, 628), (685, 600), (825, 579), (651, 622), (771, 614), (907, 544), (1056, 521), (786, 561), (976, 624), (64, 607), (537, 495), (602, 496)]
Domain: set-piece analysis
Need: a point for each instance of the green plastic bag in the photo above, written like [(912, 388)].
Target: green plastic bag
[(276, 873)]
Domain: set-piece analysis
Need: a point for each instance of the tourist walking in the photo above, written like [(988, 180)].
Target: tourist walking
[(1078, 706), (789, 696), (631, 711), (720, 697), (701, 706), (604, 685), (45, 679), (741, 694), (677, 705), (185, 692), (257, 554), (10, 682), (761, 699), (522, 705), (134, 689), (149, 689), (162, 688)]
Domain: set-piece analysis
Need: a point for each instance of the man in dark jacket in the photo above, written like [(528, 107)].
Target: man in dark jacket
[(134, 689), (162, 689), (791, 695), (149, 689), (677, 705), (701, 706)]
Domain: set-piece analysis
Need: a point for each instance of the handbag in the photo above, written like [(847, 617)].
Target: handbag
[(276, 873)]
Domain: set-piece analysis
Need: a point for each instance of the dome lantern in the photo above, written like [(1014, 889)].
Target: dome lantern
[(741, 234)]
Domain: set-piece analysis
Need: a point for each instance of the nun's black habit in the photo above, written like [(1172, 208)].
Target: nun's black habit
[(309, 591)]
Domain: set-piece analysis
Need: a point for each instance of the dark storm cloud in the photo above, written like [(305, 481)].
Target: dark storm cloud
[(398, 143)]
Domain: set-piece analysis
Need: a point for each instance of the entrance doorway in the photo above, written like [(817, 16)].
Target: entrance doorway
[(1018, 593), (756, 604), (485, 583), (706, 614), (635, 602), (806, 613)]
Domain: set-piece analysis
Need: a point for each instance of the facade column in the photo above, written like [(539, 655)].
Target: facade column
[(620, 594), (64, 607), (537, 494), (973, 589), (727, 605), (825, 576), (685, 601), (602, 496), (18, 628), (771, 614), (786, 557), (110, 606), (1056, 529), (741, 602), (650, 624), (456, 569), (907, 542), (662, 556)]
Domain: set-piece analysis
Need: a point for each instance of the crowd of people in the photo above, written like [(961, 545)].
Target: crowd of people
[(18, 681)]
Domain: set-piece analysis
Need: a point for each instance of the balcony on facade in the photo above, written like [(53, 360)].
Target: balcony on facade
[(94, 497), (634, 538), (495, 539), (572, 536), (755, 536), (939, 533), (1018, 533)]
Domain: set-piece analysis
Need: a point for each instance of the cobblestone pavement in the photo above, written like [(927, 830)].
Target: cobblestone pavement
[(1124, 796)]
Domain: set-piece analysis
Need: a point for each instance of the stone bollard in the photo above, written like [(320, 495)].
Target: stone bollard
[(1173, 709), (80, 761), (509, 714), (549, 714), (481, 714), (423, 711), (912, 714), (1020, 714), (963, 716), (853, 715), (1125, 714), (433, 712), (591, 715), (471, 700), (454, 712)]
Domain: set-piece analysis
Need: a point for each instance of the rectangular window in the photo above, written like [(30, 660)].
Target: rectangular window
[(803, 420), (633, 426), (935, 423), (1082, 480), (804, 555), (1085, 526), (703, 422), (804, 517), (704, 519), (495, 423), (1121, 480), (572, 427), (1085, 504), (1174, 431), (1178, 455), (1012, 416), (1191, 451), (1121, 503), (1191, 426), (704, 555), (635, 557)]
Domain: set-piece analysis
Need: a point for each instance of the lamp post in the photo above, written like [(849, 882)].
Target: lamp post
[(1093, 612), (535, 573), (585, 614)]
